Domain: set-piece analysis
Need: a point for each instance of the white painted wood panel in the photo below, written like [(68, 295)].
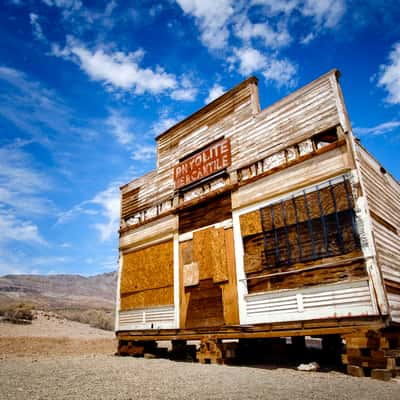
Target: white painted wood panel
[(394, 301), (147, 318), (314, 170), (161, 229), (324, 301)]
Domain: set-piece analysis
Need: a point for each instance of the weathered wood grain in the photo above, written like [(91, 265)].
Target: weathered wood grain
[(147, 277)]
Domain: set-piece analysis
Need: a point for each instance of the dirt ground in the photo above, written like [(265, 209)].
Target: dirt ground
[(59, 359)]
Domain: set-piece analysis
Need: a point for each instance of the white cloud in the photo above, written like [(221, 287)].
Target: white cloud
[(308, 38), (121, 128), (216, 91), (104, 205), (14, 263), (389, 75), (17, 229), (326, 13), (67, 5), (264, 21), (378, 130), (33, 108), (36, 27), (109, 202), (281, 72), (247, 31), (123, 71), (118, 69), (250, 60), (187, 92), (212, 18), (276, 7), (49, 260), (164, 122), (110, 7), (20, 183), (143, 153)]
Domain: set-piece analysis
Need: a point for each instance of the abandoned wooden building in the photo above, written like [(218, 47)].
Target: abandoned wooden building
[(261, 224)]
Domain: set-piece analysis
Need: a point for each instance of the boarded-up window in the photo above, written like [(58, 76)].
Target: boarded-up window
[(306, 227), (147, 277)]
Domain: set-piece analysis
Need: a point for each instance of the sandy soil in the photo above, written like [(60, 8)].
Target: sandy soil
[(58, 359), (46, 324), (50, 336)]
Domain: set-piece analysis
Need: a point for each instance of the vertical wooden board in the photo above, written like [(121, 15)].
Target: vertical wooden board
[(203, 252), (219, 261), (229, 289), (205, 305), (185, 254)]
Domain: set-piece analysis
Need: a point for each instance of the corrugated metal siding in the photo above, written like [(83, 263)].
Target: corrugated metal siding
[(147, 318), (324, 301)]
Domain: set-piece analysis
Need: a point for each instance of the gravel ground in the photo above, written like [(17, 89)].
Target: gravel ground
[(109, 377), (58, 359)]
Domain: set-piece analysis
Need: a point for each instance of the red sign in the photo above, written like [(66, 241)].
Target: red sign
[(205, 163)]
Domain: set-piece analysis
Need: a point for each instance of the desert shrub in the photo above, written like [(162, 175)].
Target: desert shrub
[(96, 318), (19, 313)]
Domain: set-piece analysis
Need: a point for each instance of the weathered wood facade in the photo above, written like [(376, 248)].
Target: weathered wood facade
[(260, 224)]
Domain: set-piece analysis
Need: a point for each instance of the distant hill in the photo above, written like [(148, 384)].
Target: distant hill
[(57, 292)]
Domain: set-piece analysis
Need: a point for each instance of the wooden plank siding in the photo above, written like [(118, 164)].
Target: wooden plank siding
[(310, 110), (200, 254), (383, 195)]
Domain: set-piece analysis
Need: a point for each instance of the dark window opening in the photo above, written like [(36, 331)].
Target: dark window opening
[(307, 227), (324, 138)]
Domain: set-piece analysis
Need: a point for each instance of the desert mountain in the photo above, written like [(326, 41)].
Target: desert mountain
[(55, 292)]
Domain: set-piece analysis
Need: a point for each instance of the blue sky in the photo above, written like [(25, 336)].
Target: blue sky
[(85, 86)]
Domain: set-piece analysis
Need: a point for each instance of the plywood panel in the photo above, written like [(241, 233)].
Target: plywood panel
[(203, 252), (149, 298), (147, 276), (218, 249), (250, 223), (209, 252), (214, 300)]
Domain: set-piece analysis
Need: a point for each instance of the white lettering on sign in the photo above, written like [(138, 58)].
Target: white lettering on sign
[(205, 163)]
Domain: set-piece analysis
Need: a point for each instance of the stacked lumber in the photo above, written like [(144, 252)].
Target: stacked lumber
[(213, 351), (372, 354)]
